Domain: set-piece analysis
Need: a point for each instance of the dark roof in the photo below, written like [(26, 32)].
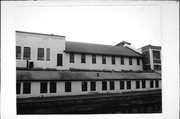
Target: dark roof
[(77, 75), (150, 46), (90, 48), (39, 33)]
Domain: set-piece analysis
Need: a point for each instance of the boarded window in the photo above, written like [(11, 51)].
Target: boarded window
[(71, 59), (113, 60), (122, 60), (48, 54), (67, 86), (94, 59), (18, 52), (157, 84), (18, 88), (121, 84), (52, 87), (138, 61), (93, 86), (84, 86), (40, 53), (137, 84), (103, 59), (128, 84), (26, 88), (111, 85), (59, 59), (43, 87), (151, 84), (104, 85), (83, 58), (130, 61), (27, 53), (143, 84)]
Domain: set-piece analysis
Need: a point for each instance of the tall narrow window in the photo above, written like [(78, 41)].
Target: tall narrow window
[(18, 88), (27, 53), (128, 84), (103, 59), (94, 59), (52, 87), (121, 84), (104, 85), (111, 85), (137, 84), (18, 52), (43, 87), (83, 58), (71, 59), (143, 84), (93, 86), (26, 88), (113, 60), (40, 53), (59, 59), (67, 86), (138, 61), (157, 84), (130, 61), (122, 60), (84, 86), (151, 84), (48, 54)]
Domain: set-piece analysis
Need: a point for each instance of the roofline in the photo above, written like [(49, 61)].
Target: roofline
[(133, 50), (39, 33), (67, 51)]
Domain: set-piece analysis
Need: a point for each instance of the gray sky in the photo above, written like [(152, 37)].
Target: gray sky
[(139, 25)]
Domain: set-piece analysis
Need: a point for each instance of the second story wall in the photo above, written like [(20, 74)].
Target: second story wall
[(40, 49)]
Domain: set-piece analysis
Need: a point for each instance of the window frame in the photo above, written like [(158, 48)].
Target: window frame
[(130, 61), (71, 57), (137, 84), (43, 87), (138, 61), (103, 59), (27, 90), (93, 59), (143, 84), (122, 60), (128, 85), (40, 54), (111, 85), (84, 86), (83, 58), (113, 60), (122, 86), (93, 86), (53, 89), (151, 83), (104, 85), (27, 53), (18, 88), (18, 52), (48, 52), (68, 86)]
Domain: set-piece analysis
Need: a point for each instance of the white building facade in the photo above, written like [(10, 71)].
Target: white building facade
[(37, 50)]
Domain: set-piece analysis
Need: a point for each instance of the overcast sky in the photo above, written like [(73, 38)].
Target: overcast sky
[(139, 25)]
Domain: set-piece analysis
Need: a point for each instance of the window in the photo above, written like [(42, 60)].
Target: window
[(18, 52), (18, 88), (59, 59), (151, 84), (94, 59), (40, 53), (143, 84), (48, 54), (43, 87), (84, 86), (104, 85), (128, 84), (137, 84), (121, 84), (130, 61), (103, 59), (138, 61), (71, 58), (157, 84), (67, 86), (27, 53), (52, 87), (111, 85), (122, 60), (113, 60), (83, 58), (93, 86), (26, 88)]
